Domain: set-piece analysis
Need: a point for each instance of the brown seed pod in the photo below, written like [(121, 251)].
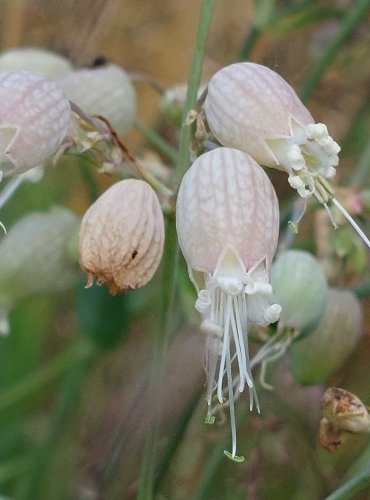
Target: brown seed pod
[(121, 237)]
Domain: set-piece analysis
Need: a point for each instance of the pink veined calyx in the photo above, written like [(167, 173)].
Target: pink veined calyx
[(252, 108), (227, 219)]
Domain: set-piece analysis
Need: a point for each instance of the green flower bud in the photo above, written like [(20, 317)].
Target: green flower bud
[(35, 256), (300, 287), (321, 353), (41, 61)]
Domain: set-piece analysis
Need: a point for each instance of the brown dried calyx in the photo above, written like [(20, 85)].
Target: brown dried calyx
[(121, 237), (343, 413)]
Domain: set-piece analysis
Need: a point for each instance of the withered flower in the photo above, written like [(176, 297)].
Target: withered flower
[(121, 237)]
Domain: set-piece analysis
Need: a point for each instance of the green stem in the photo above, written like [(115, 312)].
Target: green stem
[(175, 436), (350, 21), (349, 489), (208, 7), (157, 141), (146, 483), (43, 455), (169, 273), (44, 375), (249, 42)]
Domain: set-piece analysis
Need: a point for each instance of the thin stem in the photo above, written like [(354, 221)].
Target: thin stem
[(350, 21), (249, 42), (170, 261), (164, 331), (208, 7), (157, 141), (42, 456), (44, 375)]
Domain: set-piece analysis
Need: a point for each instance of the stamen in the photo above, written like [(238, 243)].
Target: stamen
[(225, 348), (233, 455), (351, 221)]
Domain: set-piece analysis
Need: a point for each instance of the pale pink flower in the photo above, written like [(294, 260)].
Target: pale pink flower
[(252, 108), (227, 222), (34, 120)]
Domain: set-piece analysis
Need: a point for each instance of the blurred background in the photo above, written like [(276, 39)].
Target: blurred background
[(76, 403)]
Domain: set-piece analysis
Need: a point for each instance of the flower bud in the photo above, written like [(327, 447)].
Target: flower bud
[(227, 219), (121, 236), (300, 287), (34, 120), (173, 102), (345, 411), (35, 256), (41, 61), (252, 108), (105, 91), (324, 350)]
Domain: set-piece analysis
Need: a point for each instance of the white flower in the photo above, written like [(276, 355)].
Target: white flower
[(34, 119), (105, 91), (227, 223), (252, 108), (41, 61)]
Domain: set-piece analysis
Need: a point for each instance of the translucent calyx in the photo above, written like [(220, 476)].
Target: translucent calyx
[(231, 299)]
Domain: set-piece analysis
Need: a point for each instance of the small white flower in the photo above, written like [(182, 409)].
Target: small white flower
[(227, 222)]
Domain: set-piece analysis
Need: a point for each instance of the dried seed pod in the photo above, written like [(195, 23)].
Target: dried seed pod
[(345, 411), (35, 116), (41, 61), (121, 236), (324, 350), (105, 91), (330, 436), (35, 256), (300, 287)]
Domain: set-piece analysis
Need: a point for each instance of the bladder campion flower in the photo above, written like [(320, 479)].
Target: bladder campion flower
[(328, 345), (35, 117), (121, 236), (41, 61), (301, 288), (227, 220), (105, 91), (252, 108)]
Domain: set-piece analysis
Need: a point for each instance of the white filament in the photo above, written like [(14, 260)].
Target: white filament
[(351, 221)]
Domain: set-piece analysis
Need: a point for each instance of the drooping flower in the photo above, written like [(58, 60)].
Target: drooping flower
[(121, 236), (252, 108), (35, 117), (227, 220), (105, 91), (36, 258)]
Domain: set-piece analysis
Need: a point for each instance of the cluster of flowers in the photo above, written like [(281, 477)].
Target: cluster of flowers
[(227, 211)]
